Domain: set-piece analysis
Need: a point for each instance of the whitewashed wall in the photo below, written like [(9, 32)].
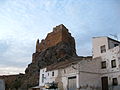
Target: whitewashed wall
[(87, 74), (96, 43), (110, 55), (48, 78), (110, 72), (90, 75)]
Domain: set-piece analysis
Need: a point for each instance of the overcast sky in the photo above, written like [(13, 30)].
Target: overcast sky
[(22, 22)]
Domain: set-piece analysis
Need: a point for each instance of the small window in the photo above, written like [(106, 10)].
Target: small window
[(113, 63), (48, 74), (103, 64), (115, 45), (103, 49), (115, 81), (52, 73)]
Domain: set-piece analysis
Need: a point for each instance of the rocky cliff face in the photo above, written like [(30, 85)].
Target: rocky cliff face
[(59, 34), (57, 46)]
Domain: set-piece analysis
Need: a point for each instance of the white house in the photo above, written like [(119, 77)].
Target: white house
[(82, 74), (108, 52), (2, 85), (47, 76), (75, 74)]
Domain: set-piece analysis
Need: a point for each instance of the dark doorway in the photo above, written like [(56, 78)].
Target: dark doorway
[(104, 83)]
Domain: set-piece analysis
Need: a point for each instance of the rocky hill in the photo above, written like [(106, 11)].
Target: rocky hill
[(58, 46)]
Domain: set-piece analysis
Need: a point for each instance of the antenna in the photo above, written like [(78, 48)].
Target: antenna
[(115, 36)]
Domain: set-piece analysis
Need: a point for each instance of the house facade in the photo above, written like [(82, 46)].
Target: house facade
[(81, 76), (47, 76), (108, 52)]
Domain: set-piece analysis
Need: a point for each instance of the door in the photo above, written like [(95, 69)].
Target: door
[(72, 83), (104, 81)]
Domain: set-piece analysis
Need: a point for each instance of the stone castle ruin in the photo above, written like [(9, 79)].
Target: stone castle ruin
[(60, 34)]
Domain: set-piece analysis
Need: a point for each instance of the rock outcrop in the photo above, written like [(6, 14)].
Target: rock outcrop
[(59, 35), (58, 46)]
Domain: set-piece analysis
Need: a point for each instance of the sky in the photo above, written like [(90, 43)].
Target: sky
[(22, 22)]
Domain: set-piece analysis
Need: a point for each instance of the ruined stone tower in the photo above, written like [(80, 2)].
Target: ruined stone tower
[(60, 34)]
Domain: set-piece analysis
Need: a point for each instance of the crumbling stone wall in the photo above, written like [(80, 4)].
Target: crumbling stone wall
[(60, 34)]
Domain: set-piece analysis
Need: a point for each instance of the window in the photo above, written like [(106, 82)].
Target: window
[(103, 49), (114, 81), (115, 45), (113, 63), (52, 73), (42, 78), (48, 74), (103, 64)]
